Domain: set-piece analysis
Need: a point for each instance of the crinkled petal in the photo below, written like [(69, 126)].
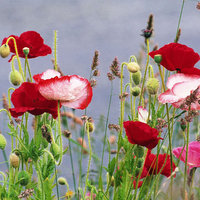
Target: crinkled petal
[(142, 114), (73, 91), (184, 89), (49, 73), (168, 97)]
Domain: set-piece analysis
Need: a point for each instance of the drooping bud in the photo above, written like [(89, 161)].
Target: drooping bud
[(136, 77), (23, 178), (140, 162), (4, 50), (62, 181), (152, 86), (158, 58), (136, 91), (14, 160), (139, 151), (3, 142), (89, 126), (15, 78), (133, 67), (55, 150), (26, 51)]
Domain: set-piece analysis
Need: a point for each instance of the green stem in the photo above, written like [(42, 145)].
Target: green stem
[(90, 156), (144, 78), (16, 52), (29, 70), (55, 49), (41, 178), (179, 21), (106, 127), (186, 157)]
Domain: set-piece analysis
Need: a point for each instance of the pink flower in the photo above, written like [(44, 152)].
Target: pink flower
[(72, 91), (180, 86), (193, 154)]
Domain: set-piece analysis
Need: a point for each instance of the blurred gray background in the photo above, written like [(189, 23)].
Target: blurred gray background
[(113, 27)]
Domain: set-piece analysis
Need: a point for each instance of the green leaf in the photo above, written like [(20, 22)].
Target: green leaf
[(111, 167)]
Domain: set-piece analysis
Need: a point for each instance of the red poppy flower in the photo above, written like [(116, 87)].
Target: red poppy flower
[(154, 164), (33, 41), (27, 98), (72, 91), (178, 57), (141, 133)]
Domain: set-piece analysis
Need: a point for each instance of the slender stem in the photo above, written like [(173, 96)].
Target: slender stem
[(105, 135), (29, 70), (41, 178), (9, 101), (144, 77), (179, 20), (186, 157), (55, 49), (90, 156), (16, 52)]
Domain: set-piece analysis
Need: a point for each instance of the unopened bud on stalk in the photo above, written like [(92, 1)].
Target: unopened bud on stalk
[(26, 51), (135, 91), (55, 150), (15, 78), (139, 151), (62, 181), (3, 142), (4, 50), (152, 86), (89, 126), (14, 160), (136, 77), (23, 178), (158, 58), (133, 67)]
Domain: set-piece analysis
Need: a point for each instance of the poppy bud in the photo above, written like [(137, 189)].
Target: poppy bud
[(23, 178), (139, 151), (14, 160), (55, 150), (62, 181), (158, 58), (152, 86), (26, 51), (4, 50), (15, 78), (89, 126), (183, 127), (140, 162), (133, 67), (3, 142), (136, 77), (136, 91)]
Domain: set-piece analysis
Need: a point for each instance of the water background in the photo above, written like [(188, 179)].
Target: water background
[(113, 27)]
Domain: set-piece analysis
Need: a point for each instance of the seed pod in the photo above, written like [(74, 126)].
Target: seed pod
[(158, 58), (4, 50)]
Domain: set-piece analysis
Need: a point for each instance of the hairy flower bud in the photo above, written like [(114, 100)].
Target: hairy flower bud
[(152, 86), (4, 50), (3, 142), (136, 91), (62, 181), (136, 77), (23, 178), (133, 67), (55, 150), (14, 160), (15, 78), (89, 126), (139, 151)]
